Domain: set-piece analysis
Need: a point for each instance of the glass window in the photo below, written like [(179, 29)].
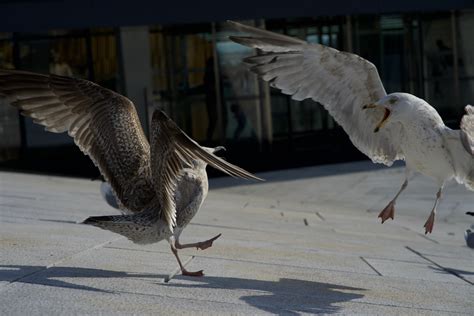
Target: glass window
[(242, 105), (438, 63), (61, 55), (184, 77), (6, 54), (105, 60), (466, 57), (292, 117), (9, 118)]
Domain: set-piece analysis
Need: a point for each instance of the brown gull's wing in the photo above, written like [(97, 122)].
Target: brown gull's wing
[(104, 125), (171, 151)]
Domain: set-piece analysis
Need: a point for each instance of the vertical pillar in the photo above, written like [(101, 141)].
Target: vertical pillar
[(266, 127), (456, 86), (217, 82), (348, 34), (136, 70)]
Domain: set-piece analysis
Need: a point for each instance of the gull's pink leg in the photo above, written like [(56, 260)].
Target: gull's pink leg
[(389, 210), (430, 221), (175, 245), (199, 245), (183, 270)]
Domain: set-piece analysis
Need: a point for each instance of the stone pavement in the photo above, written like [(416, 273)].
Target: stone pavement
[(307, 241)]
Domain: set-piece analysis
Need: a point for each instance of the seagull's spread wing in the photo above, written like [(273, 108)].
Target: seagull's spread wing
[(460, 144), (104, 125), (342, 82), (171, 151), (467, 130)]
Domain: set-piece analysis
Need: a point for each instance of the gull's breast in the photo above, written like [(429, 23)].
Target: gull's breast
[(425, 151)]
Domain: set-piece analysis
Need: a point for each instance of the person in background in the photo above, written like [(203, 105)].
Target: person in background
[(241, 119), (59, 66), (4, 63)]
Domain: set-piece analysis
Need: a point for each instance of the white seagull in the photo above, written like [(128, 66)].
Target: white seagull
[(385, 127)]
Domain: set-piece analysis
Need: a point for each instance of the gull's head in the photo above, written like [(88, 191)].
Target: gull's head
[(394, 106)]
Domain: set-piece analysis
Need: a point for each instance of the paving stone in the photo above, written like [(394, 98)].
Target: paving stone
[(306, 241)]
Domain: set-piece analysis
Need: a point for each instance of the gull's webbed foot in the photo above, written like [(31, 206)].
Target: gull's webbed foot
[(429, 223), (388, 212), (206, 244)]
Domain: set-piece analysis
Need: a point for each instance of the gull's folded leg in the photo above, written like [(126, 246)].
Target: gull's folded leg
[(199, 245), (183, 270), (430, 222)]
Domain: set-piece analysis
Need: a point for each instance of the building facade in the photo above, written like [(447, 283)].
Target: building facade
[(195, 73)]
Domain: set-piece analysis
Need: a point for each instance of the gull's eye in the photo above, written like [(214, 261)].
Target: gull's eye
[(393, 100)]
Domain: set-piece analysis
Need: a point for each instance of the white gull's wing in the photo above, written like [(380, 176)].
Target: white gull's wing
[(467, 129), (342, 82), (460, 144)]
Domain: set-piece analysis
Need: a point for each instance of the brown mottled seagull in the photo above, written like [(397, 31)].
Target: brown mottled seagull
[(158, 186), (397, 126)]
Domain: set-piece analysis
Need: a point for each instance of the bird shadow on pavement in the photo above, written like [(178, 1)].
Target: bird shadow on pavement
[(42, 275), (282, 297)]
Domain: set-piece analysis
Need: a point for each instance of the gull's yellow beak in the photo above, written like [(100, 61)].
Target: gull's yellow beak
[(384, 119)]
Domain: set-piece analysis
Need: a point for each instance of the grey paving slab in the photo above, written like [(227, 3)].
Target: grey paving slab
[(305, 242)]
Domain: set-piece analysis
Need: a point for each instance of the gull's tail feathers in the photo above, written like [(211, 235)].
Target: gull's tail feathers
[(467, 140), (467, 129), (469, 182), (139, 228), (462, 159)]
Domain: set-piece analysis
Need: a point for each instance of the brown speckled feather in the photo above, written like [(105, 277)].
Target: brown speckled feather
[(104, 125), (171, 151)]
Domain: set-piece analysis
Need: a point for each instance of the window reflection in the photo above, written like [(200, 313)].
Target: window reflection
[(183, 77), (438, 57), (9, 120), (104, 60), (466, 58), (241, 95), (294, 120)]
